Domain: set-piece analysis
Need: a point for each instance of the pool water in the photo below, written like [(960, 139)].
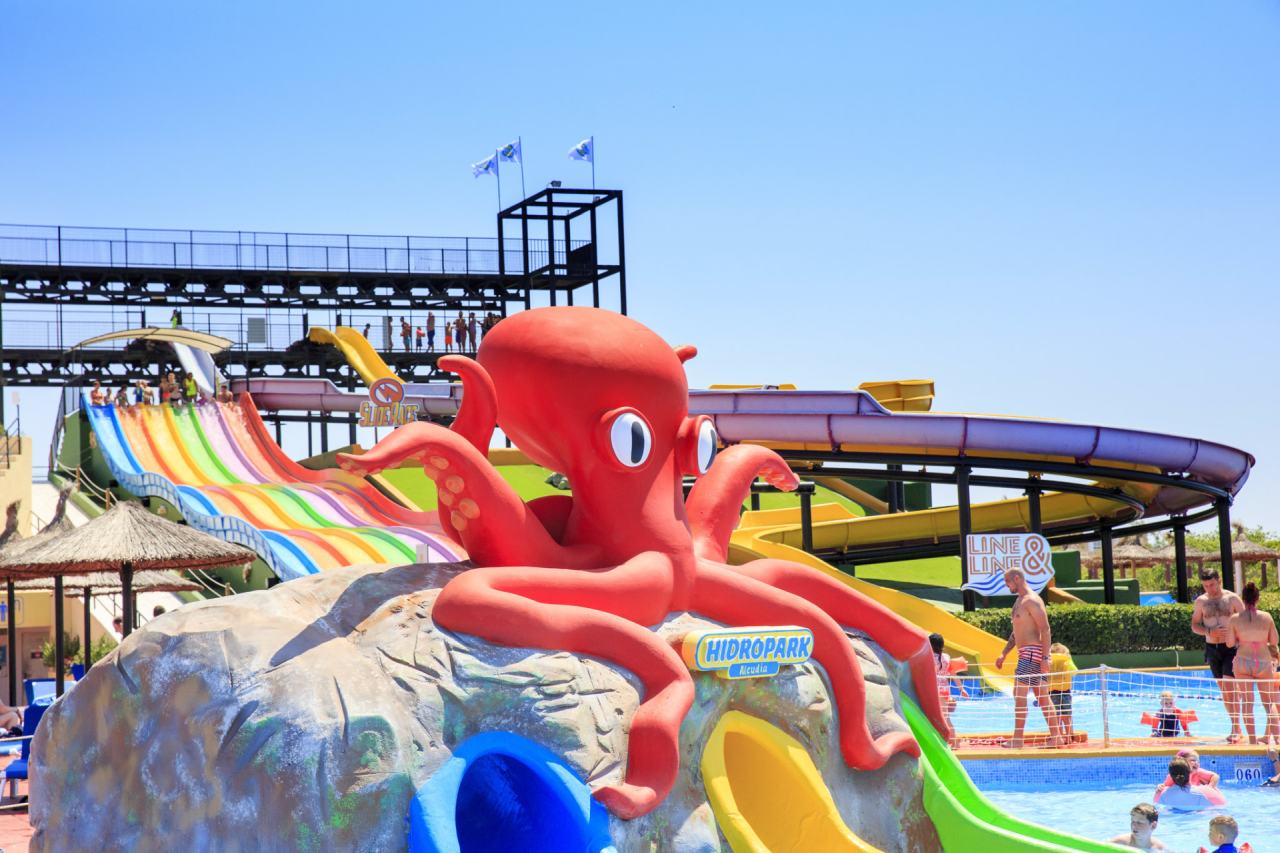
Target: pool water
[(1129, 695), (1101, 813)]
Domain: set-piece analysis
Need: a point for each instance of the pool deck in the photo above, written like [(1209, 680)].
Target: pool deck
[(15, 826), (1119, 746)]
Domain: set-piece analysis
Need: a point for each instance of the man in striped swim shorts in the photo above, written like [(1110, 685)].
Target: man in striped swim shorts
[(1032, 638)]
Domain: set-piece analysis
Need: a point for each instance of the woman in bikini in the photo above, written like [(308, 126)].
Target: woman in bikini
[(1253, 634)]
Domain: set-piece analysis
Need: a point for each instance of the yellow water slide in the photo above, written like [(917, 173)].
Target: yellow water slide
[(357, 350), (761, 534), (766, 792)]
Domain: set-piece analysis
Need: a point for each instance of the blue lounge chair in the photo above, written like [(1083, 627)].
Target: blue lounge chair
[(18, 769)]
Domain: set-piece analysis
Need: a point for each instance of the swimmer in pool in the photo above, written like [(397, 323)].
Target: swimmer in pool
[(1142, 822), (1199, 776)]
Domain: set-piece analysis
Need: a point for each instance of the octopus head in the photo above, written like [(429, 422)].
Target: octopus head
[(595, 395)]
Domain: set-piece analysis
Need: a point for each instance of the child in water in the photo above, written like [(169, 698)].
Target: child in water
[(1199, 776), (1168, 718), (1223, 831)]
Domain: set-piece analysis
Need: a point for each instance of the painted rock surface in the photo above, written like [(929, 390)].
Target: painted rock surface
[(306, 716)]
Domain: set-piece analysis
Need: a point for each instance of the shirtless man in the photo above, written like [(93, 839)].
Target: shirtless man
[(1211, 619), (1254, 637), (1032, 639), (1142, 822)]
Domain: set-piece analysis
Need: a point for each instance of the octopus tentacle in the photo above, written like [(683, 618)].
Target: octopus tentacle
[(602, 614), (478, 415), (477, 507), (715, 500), (900, 638), (731, 596)]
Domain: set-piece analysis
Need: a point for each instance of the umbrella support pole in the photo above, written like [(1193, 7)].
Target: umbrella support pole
[(126, 596), (59, 647), (86, 644), (11, 635)]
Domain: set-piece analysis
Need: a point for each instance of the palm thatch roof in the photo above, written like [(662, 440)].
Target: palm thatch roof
[(126, 534), (1246, 550), (1194, 555), (106, 583), (1128, 551)]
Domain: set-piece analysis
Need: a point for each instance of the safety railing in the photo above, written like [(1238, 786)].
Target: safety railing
[(58, 245), (12, 440), (1103, 705)]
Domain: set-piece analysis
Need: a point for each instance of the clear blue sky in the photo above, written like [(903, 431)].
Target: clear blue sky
[(1067, 210)]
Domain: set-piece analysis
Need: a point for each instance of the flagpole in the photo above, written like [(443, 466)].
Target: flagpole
[(497, 173), (520, 144), (593, 162)]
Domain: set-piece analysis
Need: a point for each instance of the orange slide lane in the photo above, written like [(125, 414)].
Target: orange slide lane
[(149, 424), (256, 450)]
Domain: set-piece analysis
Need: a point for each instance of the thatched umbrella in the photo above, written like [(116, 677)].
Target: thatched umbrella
[(85, 586), (1127, 551), (1246, 550), (122, 539), (1168, 554)]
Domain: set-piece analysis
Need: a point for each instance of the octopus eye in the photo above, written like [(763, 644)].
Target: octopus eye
[(707, 444), (631, 440)]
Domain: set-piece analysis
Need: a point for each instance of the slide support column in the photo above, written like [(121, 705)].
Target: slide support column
[(1108, 565), (966, 527)]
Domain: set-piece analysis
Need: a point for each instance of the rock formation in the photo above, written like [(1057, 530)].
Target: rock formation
[(305, 717)]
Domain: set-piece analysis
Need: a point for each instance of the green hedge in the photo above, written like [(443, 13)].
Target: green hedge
[(1099, 629)]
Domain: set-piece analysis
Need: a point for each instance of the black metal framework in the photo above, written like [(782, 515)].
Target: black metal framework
[(1034, 483), (567, 239), (558, 217)]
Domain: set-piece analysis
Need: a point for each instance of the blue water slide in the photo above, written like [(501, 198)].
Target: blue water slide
[(283, 557), (501, 792)]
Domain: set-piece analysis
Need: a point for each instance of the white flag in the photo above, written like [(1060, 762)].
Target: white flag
[(487, 166), (584, 150), (510, 153)]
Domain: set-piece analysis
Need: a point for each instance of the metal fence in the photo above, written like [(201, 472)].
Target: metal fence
[(41, 327), (60, 245)]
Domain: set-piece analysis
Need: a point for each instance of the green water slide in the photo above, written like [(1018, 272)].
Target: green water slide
[(291, 504), (964, 818)]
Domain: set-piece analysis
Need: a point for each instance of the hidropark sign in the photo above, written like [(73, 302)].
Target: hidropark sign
[(746, 652), (385, 407), (993, 554)]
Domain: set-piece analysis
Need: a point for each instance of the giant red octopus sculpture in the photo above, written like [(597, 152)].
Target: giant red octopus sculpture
[(602, 399)]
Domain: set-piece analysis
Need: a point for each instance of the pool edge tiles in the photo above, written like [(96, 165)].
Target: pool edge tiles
[(1236, 770)]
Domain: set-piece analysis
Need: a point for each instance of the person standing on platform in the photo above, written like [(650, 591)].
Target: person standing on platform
[(1032, 638), (431, 331), (419, 334), (472, 328), (406, 332), (460, 332), (1211, 619), (448, 335), (365, 333)]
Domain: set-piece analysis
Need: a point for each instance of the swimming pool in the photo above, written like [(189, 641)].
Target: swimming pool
[(1129, 694), (1092, 796), (1102, 812)]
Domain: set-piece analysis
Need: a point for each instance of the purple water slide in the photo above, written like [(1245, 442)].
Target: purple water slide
[(835, 418)]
